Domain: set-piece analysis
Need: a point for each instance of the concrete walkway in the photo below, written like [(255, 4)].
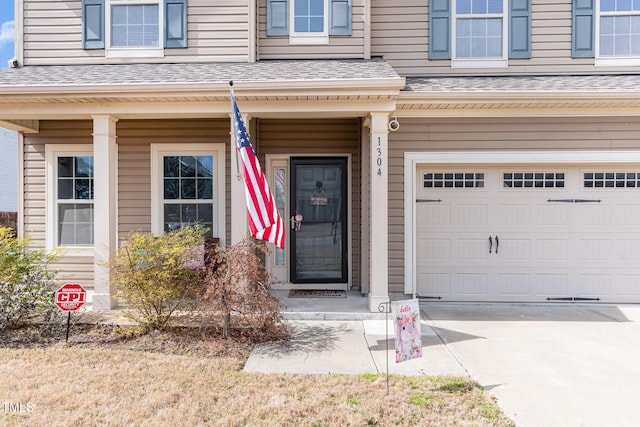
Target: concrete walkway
[(548, 365)]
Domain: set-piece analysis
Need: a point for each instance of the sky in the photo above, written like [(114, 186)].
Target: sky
[(6, 32)]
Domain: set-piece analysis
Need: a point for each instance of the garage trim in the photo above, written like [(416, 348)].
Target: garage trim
[(413, 159)]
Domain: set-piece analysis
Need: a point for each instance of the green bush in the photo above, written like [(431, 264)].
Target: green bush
[(26, 282), (151, 275)]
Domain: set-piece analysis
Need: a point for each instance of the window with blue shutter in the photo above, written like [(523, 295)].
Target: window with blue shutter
[(308, 18), (93, 24), (485, 31), (583, 40), (133, 25)]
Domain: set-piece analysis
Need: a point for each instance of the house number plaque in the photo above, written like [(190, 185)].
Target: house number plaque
[(379, 158)]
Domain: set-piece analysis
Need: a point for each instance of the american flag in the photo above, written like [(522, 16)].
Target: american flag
[(265, 222)]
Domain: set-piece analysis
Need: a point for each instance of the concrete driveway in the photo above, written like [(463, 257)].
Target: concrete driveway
[(549, 365)]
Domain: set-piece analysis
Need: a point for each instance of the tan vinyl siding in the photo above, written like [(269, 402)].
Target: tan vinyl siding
[(352, 46), (400, 28), (319, 137), (216, 32), (134, 164), (417, 135), (78, 269)]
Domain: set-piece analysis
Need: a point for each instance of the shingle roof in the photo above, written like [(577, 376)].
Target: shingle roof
[(539, 84), (196, 73)]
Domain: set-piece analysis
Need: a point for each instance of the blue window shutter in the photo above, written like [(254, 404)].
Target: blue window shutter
[(583, 37), (277, 17), (520, 29), (439, 29), (93, 24), (175, 23), (340, 18)]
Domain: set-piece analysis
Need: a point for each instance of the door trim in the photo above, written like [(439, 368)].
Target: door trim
[(270, 159), (413, 159)]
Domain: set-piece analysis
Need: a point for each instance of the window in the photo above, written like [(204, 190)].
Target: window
[(187, 188), (134, 28), (618, 29), (610, 179), (459, 180), (70, 198), (479, 28), (607, 30), (533, 179), (308, 21), (479, 33)]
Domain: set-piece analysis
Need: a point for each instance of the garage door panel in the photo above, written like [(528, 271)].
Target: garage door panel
[(595, 249), (550, 285), (514, 285), (627, 285), (550, 214), (431, 214), (471, 284), (591, 214), (470, 214), (434, 284), (629, 249), (514, 250), (592, 284), (472, 249), (555, 250), (434, 249), (628, 214), (514, 214)]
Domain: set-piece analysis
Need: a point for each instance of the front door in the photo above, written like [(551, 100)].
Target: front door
[(318, 237)]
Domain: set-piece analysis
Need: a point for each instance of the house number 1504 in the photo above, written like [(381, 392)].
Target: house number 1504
[(379, 158)]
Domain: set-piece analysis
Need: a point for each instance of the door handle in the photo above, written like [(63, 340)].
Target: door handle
[(490, 243), (497, 243)]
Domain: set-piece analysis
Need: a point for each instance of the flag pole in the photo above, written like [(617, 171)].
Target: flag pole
[(235, 135)]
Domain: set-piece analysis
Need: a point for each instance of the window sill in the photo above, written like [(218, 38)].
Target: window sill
[(306, 39), (618, 61), (479, 63), (135, 53), (76, 251)]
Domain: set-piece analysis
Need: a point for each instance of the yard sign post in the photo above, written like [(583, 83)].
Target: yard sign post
[(70, 297), (386, 308)]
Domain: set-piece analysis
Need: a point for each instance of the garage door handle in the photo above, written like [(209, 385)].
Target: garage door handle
[(490, 243), (497, 244)]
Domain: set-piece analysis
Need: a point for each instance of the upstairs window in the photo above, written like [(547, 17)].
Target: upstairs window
[(308, 21), (479, 33), (607, 30), (479, 29), (134, 28)]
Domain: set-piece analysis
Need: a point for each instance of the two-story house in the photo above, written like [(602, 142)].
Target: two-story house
[(463, 150)]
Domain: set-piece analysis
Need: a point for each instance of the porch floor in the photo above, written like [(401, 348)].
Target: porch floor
[(353, 307)]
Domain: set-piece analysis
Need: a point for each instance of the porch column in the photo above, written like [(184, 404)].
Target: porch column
[(105, 170), (239, 221), (379, 225)]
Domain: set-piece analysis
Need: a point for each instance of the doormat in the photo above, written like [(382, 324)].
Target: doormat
[(312, 293)]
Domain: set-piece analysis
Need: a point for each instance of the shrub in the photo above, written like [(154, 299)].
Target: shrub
[(153, 277), (236, 287), (26, 282)]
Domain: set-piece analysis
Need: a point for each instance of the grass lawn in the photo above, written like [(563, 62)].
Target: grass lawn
[(189, 378)]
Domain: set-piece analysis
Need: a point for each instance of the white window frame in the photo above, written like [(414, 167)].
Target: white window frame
[(308, 38), (134, 52), (490, 62), (158, 151), (612, 61), (52, 152)]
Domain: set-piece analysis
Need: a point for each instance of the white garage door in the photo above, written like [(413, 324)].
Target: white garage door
[(510, 233)]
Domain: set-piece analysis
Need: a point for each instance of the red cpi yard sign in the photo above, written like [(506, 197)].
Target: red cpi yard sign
[(70, 297)]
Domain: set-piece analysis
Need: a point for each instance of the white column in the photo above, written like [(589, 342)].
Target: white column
[(105, 170), (379, 225), (239, 221)]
